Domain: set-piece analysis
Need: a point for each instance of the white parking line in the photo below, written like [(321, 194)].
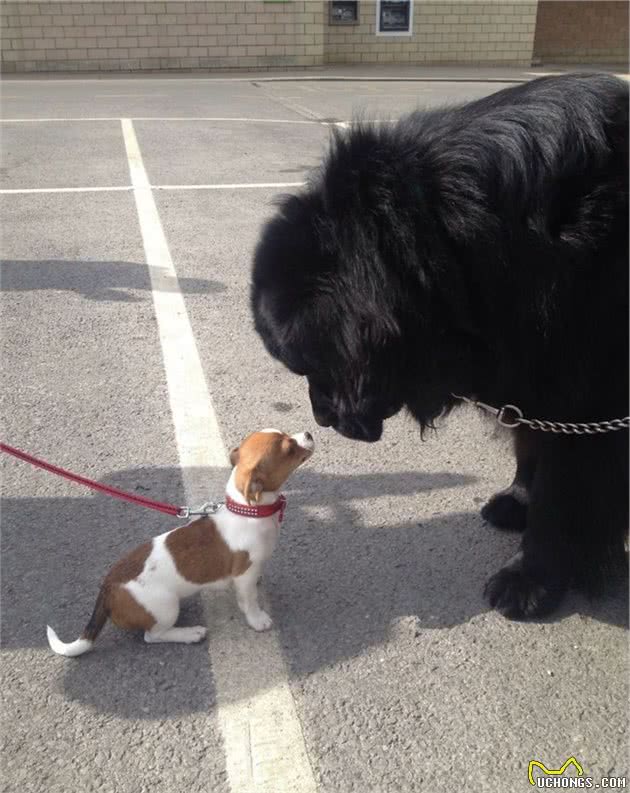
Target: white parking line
[(240, 119), (236, 186), (262, 736), (226, 119), (125, 96), (196, 428), (49, 120), (16, 191), (249, 186)]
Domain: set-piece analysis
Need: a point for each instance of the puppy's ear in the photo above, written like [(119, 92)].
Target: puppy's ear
[(253, 489), (250, 484), (234, 456)]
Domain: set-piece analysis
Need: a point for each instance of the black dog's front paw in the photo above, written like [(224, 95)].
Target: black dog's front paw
[(505, 512), (518, 593)]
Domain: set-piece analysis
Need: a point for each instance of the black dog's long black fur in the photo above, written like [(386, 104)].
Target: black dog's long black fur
[(479, 250)]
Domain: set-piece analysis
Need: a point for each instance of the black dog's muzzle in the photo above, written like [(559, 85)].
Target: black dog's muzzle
[(353, 426)]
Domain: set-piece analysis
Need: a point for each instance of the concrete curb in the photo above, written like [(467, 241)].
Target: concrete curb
[(297, 76), (357, 79)]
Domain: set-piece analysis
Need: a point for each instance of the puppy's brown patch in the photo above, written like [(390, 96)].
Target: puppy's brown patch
[(201, 555), (126, 612), (115, 602), (130, 566)]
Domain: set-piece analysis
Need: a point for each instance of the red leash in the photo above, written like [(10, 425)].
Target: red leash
[(169, 509)]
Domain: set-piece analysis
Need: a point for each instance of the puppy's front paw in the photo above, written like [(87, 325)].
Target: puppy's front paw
[(504, 512), (259, 621), (519, 593), (194, 634)]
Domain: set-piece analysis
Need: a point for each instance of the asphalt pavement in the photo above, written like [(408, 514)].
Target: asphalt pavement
[(400, 678)]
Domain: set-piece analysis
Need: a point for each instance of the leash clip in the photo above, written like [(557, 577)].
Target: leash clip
[(209, 508), (509, 416)]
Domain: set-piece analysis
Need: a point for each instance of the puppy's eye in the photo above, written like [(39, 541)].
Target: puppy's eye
[(289, 445)]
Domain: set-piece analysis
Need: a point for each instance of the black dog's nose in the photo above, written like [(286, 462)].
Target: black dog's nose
[(360, 430), (308, 436)]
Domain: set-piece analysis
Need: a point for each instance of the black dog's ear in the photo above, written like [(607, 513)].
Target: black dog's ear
[(234, 456), (382, 326)]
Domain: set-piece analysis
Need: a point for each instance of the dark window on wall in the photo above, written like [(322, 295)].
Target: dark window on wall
[(394, 16), (344, 12)]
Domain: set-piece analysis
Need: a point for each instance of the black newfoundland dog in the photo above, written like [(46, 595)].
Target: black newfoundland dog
[(479, 251)]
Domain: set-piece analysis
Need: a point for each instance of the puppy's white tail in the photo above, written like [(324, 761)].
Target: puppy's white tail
[(85, 642), (71, 649)]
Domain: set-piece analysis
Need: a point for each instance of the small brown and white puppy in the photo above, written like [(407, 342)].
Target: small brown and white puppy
[(142, 591)]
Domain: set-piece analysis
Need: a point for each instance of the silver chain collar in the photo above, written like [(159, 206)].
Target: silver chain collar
[(511, 417)]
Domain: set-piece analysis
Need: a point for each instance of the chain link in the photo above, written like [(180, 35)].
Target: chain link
[(511, 416), (579, 428)]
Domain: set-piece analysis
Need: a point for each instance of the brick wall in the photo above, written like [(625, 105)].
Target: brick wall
[(590, 32), (53, 36), (443, 32), (90, 35)]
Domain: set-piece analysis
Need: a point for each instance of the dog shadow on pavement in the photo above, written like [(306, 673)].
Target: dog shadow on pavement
[(116, 281), (344, 571)]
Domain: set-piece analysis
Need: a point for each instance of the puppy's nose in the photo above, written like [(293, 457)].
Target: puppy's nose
[(308, 436)]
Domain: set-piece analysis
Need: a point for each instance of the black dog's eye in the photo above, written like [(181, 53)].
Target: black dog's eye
[(322, 390), (295, 364)]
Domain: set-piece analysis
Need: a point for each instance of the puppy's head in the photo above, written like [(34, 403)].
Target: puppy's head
[(266, 459)]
